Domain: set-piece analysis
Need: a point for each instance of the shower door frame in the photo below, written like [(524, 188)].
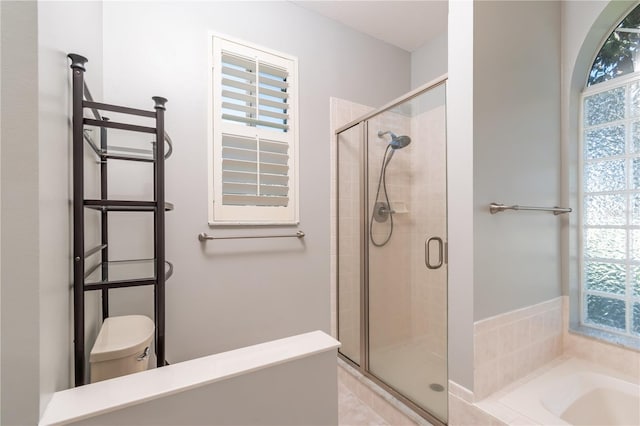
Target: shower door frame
[(364, 367)]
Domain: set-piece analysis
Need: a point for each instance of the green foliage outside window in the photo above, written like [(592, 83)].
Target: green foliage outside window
[(620, 53)]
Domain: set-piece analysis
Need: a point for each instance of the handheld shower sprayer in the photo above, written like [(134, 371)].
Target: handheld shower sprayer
[(382, 209), (397, 142)]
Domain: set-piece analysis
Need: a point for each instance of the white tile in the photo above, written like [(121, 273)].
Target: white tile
[(506, 370), (390, 413), (537, 327), (552, 322), (507, 339), (498, 410), (487, 380), (352, 411), (486, 346), (523, 333)]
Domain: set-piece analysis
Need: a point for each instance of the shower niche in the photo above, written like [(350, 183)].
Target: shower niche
[(391, 231)]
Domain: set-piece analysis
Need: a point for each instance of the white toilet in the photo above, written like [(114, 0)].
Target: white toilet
[(122, 347)]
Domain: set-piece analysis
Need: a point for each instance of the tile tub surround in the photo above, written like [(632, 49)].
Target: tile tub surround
[(511, 345), (623, 360), (384, 404)]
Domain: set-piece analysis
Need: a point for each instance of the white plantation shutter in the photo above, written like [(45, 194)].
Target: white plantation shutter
[(254, 93), (254, 135), (254, 172)]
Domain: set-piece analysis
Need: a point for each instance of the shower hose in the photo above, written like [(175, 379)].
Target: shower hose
[(382, 183)]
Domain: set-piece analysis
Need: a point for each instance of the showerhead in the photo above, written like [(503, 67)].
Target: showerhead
[(397, 142)]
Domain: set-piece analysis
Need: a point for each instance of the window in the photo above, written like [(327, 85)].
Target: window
[(253, 160), (619, 54), (610, 182)]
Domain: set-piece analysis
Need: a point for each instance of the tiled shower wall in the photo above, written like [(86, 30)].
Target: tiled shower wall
[(342, 112), (407, 301), (428, 215), (349, 244), (390, 290), (389, 265)]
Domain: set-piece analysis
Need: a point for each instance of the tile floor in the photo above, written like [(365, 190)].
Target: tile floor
[(353, 412)]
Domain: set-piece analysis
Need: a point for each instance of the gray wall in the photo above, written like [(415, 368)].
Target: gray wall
[(229, 294), (0, 213), (295, 393), (20, 216), (430, 60), (36, 314), (516, 141), (460, 193), (55, 41)]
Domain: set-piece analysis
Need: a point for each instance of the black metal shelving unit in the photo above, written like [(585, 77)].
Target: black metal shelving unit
[(107, 274)]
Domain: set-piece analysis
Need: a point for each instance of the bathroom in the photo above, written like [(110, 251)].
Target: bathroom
[(512, 115)]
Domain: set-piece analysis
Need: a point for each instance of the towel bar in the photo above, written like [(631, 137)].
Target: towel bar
[(497, 208), (204, 236)]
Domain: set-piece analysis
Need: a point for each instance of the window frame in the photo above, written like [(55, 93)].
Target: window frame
[(628, 298), (228, 215)]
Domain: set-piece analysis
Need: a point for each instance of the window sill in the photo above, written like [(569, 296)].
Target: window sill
[(606, 337)]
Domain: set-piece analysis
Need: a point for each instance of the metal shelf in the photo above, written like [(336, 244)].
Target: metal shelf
[(124, 205), (102, 273), (124, 273), (127, 153)]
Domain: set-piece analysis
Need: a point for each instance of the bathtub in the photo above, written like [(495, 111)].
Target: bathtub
[(569, 391)]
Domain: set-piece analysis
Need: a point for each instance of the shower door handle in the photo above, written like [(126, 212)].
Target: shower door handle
[(427, 249)]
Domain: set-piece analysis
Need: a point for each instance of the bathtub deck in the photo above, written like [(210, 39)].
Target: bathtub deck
[(522, 401)]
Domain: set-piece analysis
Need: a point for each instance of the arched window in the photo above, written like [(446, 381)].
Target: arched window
[(619, 53), (610, 183)]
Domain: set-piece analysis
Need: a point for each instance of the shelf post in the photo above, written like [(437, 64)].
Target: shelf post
[(104, 217), (159, 222), (78, 68)]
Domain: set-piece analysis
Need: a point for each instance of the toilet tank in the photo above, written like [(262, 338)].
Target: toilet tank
[(122, 347)]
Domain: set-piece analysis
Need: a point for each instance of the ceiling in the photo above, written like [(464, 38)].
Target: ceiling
[(405, 24)]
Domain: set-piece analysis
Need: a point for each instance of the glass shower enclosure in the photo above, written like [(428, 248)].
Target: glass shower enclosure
[(391, 248)]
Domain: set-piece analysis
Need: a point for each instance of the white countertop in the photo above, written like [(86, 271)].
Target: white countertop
[(90, 400)]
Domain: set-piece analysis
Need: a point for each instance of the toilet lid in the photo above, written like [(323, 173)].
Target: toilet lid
[(122, 336)]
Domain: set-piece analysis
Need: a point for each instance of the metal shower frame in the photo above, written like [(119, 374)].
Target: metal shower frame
[(364, 366)]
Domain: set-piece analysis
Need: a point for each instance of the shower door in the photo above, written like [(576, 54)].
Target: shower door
[(392, 266), (350, 204), (407, 277)]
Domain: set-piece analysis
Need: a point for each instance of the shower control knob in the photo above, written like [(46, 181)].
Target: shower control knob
[(381, 211)]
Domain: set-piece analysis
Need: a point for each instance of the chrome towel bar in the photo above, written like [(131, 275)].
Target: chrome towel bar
[(204, 236), (497, 208)]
